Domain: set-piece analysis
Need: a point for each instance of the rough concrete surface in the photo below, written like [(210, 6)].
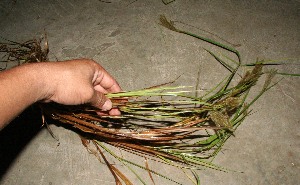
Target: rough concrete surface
[(124, 36)]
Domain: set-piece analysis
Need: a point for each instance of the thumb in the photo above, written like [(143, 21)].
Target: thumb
[(100, 101)]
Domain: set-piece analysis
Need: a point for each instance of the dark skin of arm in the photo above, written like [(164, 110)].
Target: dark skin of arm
[(72, 82)]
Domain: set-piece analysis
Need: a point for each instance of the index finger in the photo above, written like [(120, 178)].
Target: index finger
[(104, 82)]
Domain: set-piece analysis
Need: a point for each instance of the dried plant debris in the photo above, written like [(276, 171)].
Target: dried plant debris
[(162, 123), (35, 50)]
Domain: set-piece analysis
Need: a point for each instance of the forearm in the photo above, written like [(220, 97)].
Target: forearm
[(73, 82), (20, 87)]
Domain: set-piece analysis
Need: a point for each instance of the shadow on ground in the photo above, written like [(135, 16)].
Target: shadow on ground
[(15, 137)]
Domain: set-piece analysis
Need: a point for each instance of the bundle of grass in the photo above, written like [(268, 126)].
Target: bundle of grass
[(162, 123), (186, 132)]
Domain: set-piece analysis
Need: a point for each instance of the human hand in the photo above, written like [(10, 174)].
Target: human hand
[(80, 81)]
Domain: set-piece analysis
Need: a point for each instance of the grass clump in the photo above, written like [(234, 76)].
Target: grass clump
[(162, 123)]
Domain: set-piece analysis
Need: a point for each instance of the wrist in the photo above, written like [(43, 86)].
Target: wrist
[(37, 80)]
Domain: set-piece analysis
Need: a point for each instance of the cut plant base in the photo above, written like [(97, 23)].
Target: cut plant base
[(164, 123)]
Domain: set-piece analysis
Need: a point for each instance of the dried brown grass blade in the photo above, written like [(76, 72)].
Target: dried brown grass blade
[(110, 167), (148, 170), (86, 144), (121, 175)]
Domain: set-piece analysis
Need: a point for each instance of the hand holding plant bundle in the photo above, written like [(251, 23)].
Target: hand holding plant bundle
[(162, 123)]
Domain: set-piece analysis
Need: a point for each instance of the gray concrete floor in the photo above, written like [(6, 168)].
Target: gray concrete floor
[(127, 40)]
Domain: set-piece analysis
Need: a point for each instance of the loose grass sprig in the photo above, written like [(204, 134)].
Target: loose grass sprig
[(27, 52)]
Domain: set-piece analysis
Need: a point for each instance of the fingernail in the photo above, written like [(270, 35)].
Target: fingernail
[(107, 105)]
